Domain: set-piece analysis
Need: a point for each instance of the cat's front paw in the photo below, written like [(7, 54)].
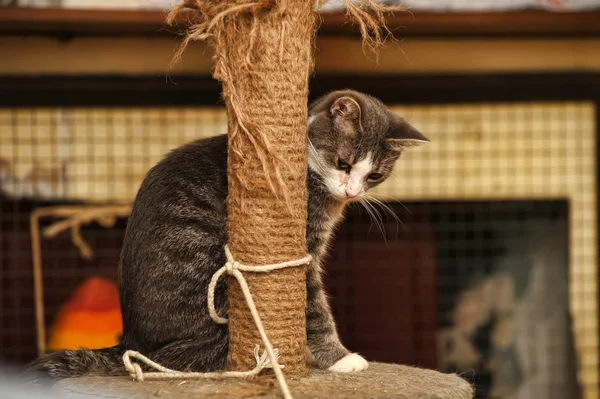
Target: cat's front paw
[(349, 363)]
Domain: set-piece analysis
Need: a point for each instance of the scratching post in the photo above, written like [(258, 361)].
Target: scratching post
[(263, 58), (264, 62)]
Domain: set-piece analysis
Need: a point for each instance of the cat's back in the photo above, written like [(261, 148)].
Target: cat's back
[(197, 165), (185, 192)]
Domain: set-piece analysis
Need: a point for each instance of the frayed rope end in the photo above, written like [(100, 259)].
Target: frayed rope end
[(262, 360)]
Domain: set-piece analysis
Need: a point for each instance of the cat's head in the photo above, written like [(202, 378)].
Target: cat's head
[(354, 141)]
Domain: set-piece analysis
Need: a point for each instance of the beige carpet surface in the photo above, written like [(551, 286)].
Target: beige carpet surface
[(379, 381)]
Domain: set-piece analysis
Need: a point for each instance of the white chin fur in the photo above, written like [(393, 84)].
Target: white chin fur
[(350, 363), (335, 180)]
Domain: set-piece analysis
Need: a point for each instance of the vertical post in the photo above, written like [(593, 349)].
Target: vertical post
[(38, 281), (268, 62)]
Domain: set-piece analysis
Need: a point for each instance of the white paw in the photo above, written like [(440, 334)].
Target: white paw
[(349, 363)]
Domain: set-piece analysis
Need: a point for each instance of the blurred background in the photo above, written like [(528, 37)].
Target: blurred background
[(485, 261)]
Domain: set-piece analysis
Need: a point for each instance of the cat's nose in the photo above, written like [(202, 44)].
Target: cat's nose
[(350, 195)]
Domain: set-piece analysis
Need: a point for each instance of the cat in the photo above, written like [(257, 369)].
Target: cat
[(177, 230)]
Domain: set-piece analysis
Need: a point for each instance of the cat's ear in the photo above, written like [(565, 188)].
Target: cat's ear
[(403, 135), (346, 115)]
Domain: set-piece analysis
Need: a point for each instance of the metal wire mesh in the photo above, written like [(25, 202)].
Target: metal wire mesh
[(497, 221)]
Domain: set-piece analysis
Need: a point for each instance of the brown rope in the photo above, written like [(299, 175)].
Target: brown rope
[(263, 58), (84, 249), (103, 215)]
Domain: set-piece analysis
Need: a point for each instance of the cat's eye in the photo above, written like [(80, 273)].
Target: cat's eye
[(341, 165), (375, 177)]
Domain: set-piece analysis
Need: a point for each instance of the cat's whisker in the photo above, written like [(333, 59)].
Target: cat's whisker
[(395, 174), (318, 178), (386, 207), (368, 212), (363, 203), (405, 207), (386, 210), (381, 224), (389, 210), (391, 198), (377, 218)]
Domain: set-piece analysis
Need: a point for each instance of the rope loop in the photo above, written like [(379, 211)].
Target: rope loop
[(268, 359)]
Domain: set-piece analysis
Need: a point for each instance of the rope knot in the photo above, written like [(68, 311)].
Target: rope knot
[(134, 369), (231, 266), (138, 374), (268, 359)]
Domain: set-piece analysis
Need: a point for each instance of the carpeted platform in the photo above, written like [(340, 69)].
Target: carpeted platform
[(379, 381)]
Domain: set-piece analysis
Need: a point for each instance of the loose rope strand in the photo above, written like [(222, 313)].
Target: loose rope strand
[(135, 371), (269, 358)]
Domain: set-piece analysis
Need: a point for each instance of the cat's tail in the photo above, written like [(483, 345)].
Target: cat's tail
[(76, 363)]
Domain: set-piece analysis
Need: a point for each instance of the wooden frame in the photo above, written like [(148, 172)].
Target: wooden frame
[(101, 22), (30, 91), (73, 217)]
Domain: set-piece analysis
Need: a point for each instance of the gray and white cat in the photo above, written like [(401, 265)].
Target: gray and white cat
[(177, 230)]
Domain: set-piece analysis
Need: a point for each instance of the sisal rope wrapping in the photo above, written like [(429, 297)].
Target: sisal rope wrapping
[(269, 100), (263, 58), (270, 356)]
